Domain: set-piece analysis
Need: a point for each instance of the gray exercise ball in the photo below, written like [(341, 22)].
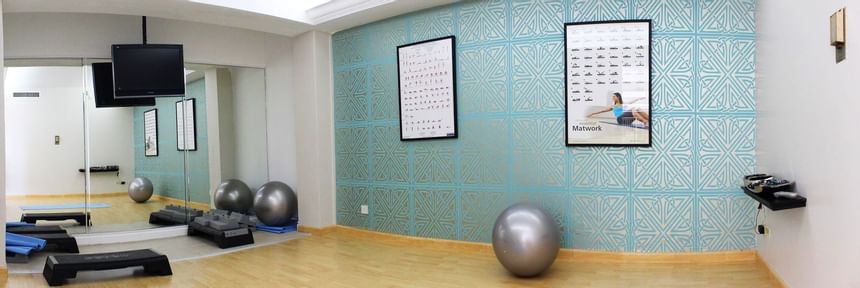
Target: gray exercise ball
[(526, 239), (140, 189), (233, 195), (276, 204)]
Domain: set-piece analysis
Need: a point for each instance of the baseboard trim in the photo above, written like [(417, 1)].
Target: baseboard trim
[(603, 256), (773, 276)]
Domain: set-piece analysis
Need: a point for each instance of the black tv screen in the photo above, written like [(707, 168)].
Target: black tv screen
[(103, 89), (147, 70)]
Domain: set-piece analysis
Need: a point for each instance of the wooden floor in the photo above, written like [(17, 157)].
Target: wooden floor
[(122, 209), (346, 258)]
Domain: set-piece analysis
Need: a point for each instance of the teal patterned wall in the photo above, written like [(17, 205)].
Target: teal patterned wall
[(679, 195), (167, 170)]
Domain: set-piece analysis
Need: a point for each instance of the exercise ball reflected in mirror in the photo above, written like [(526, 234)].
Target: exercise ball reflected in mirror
[(140, 189), (275, 204), (233, 195), (526, 239)]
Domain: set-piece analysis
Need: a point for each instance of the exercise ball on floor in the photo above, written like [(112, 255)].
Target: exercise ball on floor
[(526, 239), (275, 204), (140, 189), (233, 195)]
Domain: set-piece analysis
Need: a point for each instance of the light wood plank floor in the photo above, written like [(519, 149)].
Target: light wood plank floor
[(347, 259)]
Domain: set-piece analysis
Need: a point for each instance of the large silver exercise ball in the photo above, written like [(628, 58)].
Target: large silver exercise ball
[(276, 204), (233, 195), (526, 239), (140, 189)]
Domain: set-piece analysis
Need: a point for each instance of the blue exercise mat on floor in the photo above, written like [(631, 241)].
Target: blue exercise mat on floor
[(13, 239), (19, 249), (277, 229), (62, 206)]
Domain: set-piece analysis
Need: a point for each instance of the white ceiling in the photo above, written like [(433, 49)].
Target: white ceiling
[(213, 14)]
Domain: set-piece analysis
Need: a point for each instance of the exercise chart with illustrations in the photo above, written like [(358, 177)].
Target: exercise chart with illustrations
[(427, 93), (608, 83)]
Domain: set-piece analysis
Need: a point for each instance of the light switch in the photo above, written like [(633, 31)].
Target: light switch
[(837, 28), (57, 140)]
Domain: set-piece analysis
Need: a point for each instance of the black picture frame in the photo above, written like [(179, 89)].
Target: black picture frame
[(145, 152), (193, 124), (567, 75), (452, 90)]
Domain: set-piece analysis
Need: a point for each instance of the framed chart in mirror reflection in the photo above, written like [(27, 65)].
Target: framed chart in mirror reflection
[(150, 133)]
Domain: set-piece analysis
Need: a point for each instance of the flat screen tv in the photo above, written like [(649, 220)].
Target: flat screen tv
[(148, 70), (103, 89)]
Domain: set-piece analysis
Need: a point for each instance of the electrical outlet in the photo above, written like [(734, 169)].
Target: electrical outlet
[(364, 209), (763, 230)]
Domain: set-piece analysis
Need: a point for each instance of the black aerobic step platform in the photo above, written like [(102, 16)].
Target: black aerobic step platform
[(80, 217), (222, 238), (27, 230), (58, 242), (58, 268)]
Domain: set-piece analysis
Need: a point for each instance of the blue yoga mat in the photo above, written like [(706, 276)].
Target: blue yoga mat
[(18, 224), (276, 229), (13, 239), (63, 206), (19, 249)]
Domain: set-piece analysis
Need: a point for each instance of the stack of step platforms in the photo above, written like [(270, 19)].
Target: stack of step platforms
[(226, 229), (174, 215)]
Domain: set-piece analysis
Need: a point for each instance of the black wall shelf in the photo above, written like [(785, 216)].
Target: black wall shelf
[(95, 169), (775, 203)]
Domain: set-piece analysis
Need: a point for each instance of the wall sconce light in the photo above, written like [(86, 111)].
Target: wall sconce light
[(837, 33)]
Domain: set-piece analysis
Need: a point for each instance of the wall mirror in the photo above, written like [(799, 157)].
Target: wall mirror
[(226, 139)]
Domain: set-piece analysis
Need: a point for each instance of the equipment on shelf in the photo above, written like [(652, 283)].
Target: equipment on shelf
[(275, 204), (233, 195), (227, 229), (105, 168), (526, 239), (140, 189), (764, 183), (174, 215), (58, 268), (80, 217)]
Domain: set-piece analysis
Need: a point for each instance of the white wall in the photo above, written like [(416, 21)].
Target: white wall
[(807, 131), (35, 164), (314, 134), (2, 147), (249, 125), (280, 116)]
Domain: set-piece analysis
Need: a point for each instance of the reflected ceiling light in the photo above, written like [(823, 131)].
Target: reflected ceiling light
[(307, 11)]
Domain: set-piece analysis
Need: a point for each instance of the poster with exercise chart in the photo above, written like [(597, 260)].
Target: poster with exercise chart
[(608, 83), (150, 133), (186, 132), (428, 108)]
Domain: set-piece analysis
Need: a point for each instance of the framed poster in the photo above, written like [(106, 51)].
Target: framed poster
[(608, 83), (186, 132), (150, 133), (426, 88)]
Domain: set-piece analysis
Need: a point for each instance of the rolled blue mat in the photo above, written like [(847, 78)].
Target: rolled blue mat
[(19, 249), (19, 224), (13, 239)]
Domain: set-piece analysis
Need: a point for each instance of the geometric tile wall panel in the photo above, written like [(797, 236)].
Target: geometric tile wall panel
[(483, 82), (727, 74), (482, 21), (351, 149), (435, 213), (390, 161), (350, 95), (432, 24), (662, 223), (538, 152), (383, 92), (726, 151), (722, 225), (599, 221), (600, 168), (667, 15), (727, 16), (679, 195), (538, 76), (668, 165), (484, 141), (480, 209), (532, 19), (672, 62), (434, 162), (391, 210), (591, 10), (349, 201)]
